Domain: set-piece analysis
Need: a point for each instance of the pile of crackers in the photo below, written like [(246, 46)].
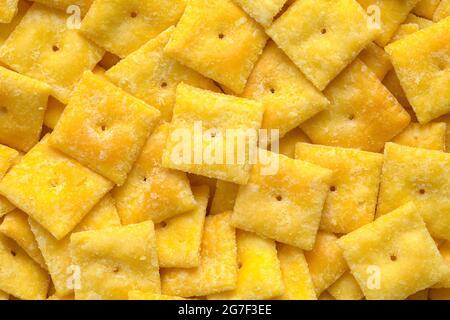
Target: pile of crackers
[(106, 191)]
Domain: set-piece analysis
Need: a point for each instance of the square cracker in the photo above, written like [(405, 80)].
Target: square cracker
[(442, 11), (392, 13), (426, 136), (217, 39), (224, 197), (200, 111), (346, 288), (287, 96), (22, 109), (109, 269), (56, 253), (325, 262), (310, 29), (122, 27), (421, 61), (109, 125), (263, 11), (218, 267), (8, 10), (353, 195), (54, 190), (285, 206), (60, 56), (65, 5), (7, 28), (259, 275), (152, 192), (151, 75), (398, 250), (364, 117), (178, 239), (419, 175), (20, 276)]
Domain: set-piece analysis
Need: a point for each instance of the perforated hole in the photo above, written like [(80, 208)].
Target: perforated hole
[(163, 224), (13, 253), (323, 31), (55, 48), (332, 188), (351, 117), (221, 36), (393, 257), (164, 85), (272, 90), (422, 191), (133, 14), (144, 179), (239, 265), (279, 198), (116, 269)]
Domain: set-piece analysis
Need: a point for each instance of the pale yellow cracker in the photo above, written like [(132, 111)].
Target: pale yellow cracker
[(74, 8), (217, 39), (395, 256), (139, 295), (353, 195), (115, 261), (442, 11), (224, 197), (419, 175), (53, 113), (263, 11), (376, 59), (259, 275), (8, 158), (60, 55), (346, 288), (427, 136), (218, 269), (286, 204), (364, 117), (444, 249), (323, 36)]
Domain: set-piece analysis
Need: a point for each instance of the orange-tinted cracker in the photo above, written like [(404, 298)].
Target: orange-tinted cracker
[(178, 239), (115, 261), (151, 75), (439, 294), (259, 275), (442, 11), (109, 60), (53, 113), (376, 59), (152, 192), (421, 63), (139, 295), (20, 276), (426, 8), (218, 267), (214, 114), (285, 205), (15, 226), (289, 141), (420, 295), (7, 28), (217, 39), (395, 256), (57, 252), (4, 295), (363, 117), (22, 108), (65, 5), (262, 11), (54, 190), (427, 136), (60, 56), (297, 280), (325, 261), (322, 36), (8, 10), (224, 197), (104, 128), (392, 13), (346, 288), (287, 96), (419, 175), (127, 25), (326, 296), (353, 195)]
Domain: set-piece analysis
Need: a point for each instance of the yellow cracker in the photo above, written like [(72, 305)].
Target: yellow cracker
[(217, 39), (412, 24), (20, 276), (354, 188), (364, 117), (285, 205), (287, 96), (150, 75), (104, 128), (376, 59), (395, 256), (392, 83), (426, 8), (54, 190), (439, 294), (442, 11), (296, 277), (15, 226), (312, 29), (65, 5), (419, 175), (214, 114), (127, 25), (391, 13), (7, 28), (139, 295), (8, 10), (23, 105), (444, 249), (60, 56), (178, 239), (325, 261), (427, 136), (152, 192), (421, 63), (290, 140), (446, 119), (8, 158), (346, 288), (53, 113), (262, 11), (224, 197), (259, 275), (109, 269), (217, 271)]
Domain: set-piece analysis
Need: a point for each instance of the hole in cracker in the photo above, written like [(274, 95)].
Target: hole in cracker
[(164, 85), (133, 14), (272, 90), (351, 117), (422, 191), (144, 179), (221, 36), (163, 224), (323, 31), (332, 188), (279, 198), (239, 265), (55, 48), (116, 269), (393, 257), (13, 253)]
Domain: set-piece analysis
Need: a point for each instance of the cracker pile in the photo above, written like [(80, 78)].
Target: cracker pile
[(108, 191)]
